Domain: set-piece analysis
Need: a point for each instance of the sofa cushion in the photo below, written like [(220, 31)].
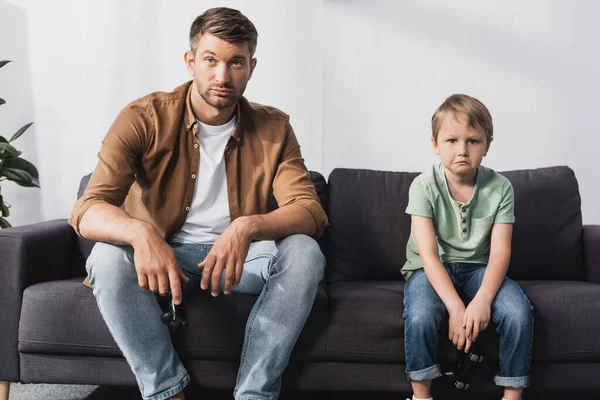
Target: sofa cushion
[(369, 227), (548, 232), (366, 324), (72, 324), (566, 322)]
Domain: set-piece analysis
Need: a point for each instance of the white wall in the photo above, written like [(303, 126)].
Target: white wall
[(360, 80)]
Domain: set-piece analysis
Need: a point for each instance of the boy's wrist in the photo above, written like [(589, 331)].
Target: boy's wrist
[(485, 296)]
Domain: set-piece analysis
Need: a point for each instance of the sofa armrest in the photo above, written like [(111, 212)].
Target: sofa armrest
[(591, 247), (28, 254)]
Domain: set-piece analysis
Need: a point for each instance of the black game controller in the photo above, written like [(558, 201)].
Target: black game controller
[(466, 362), (175, 317)]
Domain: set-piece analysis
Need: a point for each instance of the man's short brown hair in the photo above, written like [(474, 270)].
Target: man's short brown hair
[(226, 24), (477, 114)]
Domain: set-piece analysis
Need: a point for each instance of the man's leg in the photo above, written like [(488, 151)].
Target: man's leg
[(286, 273), (132, 315)]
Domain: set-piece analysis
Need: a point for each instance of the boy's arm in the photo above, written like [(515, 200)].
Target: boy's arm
[(425, 239), (478, 313), (495, 272)]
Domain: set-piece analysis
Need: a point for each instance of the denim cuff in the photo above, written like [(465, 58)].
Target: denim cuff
[(173, 391), (512, 382), (425, 374)]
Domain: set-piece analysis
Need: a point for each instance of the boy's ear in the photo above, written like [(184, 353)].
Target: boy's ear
[(435, 146)]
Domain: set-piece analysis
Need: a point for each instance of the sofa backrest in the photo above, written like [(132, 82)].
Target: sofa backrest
[(369, 227)]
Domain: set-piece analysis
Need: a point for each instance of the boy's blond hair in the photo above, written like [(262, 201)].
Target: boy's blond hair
[(477, 115)]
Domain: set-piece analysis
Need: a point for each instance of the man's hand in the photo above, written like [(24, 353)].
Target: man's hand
[(476, 319), (456, 332), (156, 266), (227, 254)]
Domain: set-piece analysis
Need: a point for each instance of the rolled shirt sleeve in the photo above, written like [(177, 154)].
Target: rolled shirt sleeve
[(117, 160), (292, 184)]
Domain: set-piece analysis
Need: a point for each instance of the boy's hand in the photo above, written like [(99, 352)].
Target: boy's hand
[(456, 331), (475, 319)]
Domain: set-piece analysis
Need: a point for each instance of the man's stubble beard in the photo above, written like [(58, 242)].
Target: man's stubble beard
[(206, 96)]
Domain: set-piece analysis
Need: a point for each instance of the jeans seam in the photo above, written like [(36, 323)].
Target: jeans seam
[(253, 317)]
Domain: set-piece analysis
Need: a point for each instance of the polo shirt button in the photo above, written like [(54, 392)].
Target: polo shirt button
[(195, 126), (464, 230), (463, 209), (187, 208), (195, 145), (464, 221), (193, 176)]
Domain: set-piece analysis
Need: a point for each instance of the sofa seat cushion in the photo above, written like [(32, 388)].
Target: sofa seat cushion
[(566, 320), (62, 317), (366, 323)]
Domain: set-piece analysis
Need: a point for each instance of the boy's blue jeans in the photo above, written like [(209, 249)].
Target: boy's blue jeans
[(424, 310), (285, 274)]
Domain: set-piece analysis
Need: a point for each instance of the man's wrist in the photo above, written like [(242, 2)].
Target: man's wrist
[(247, 226), (141, 233)]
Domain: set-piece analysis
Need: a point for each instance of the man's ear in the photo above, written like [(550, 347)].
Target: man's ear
[(252, 66), (188, 57), (435, 146)]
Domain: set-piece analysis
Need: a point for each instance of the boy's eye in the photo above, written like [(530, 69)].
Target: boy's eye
[(473, 141), (451, 140)]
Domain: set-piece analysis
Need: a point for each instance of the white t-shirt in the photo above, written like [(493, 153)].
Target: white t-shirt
[(209, 213)]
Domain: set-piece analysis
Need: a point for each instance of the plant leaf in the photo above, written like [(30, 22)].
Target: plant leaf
[(20, 131), (23, 165), (2, 102), (21, 178), (8, 151), (2, 140), (4, 223), (5, 210), (3, 63)]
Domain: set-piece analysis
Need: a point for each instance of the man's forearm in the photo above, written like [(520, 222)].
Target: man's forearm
[(284, 221), (110, 224)]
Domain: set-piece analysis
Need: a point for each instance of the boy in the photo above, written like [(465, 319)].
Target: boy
[(462, 215)]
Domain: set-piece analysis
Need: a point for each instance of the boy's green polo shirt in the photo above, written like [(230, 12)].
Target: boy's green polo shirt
[(462, 229)]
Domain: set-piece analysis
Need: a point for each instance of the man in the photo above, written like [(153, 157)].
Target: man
[(198, 164)]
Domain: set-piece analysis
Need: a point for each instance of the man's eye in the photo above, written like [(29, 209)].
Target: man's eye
[(237, 63), (209, 60)]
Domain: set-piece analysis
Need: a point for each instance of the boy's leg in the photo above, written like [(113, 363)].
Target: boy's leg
[(513, 313), (286, 275), (132, 315), (423, 313), (4, 389)]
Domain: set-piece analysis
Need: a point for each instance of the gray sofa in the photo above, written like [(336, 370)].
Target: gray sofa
[(52, 331)]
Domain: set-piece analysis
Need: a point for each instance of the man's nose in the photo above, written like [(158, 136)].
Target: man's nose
[(222, 74)]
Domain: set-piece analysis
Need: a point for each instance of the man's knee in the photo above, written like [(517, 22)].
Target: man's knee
[(303, 254), (111, 264)]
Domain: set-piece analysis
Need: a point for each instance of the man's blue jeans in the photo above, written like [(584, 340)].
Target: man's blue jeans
[(424, 310), (284, 273)]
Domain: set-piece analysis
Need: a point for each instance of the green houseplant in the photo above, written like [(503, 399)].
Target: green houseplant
[(13, 167)]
